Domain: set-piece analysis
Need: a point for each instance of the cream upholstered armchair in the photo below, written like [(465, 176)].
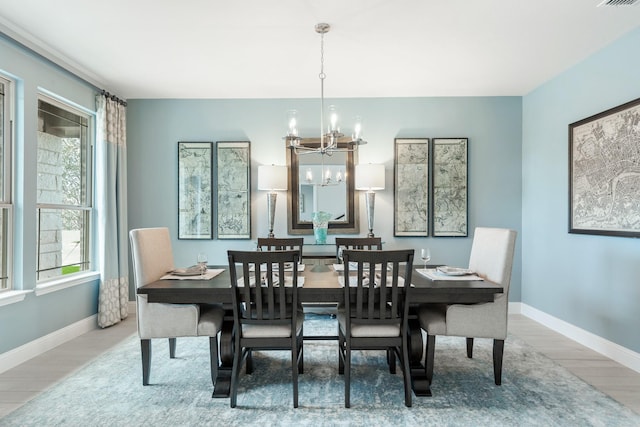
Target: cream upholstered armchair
[(492, 259), (152, 258)]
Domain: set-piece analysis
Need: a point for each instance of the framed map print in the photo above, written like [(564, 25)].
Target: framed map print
[(233, 195), (411, 184), (194, 190), (449, 187), (604, 172)]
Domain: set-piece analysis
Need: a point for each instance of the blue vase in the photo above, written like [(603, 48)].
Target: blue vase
[(320, 234)]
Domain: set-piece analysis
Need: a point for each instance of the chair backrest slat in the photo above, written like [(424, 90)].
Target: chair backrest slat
[(281, 244), (378, 288), (260, 294), (368, 243)]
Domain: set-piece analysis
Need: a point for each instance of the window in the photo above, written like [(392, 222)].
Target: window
[(63, 190), (6, 207)]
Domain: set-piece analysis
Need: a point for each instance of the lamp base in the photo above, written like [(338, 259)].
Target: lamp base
[(370, 198), (271, 209)]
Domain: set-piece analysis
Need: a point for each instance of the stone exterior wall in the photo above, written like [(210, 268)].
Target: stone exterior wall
[(50, 169)]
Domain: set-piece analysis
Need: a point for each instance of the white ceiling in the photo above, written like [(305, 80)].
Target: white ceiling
[(269, 48)]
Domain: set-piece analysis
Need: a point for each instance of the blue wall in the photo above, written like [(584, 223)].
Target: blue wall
[(492, 124), (592, 282), (37, 316)]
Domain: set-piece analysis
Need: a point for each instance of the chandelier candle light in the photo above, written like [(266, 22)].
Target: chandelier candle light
[(272, 178), (329, 140), (370, 177)]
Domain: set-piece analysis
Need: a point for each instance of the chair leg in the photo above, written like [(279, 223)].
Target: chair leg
[(498, 350), (470, 348), (249, 363), (406, 372), (391, 360), (237, 359), (145, 347), (341, 355), (300, 345), (172, 348), (347, 376), (294, 370), (429, 353), (213, 356)]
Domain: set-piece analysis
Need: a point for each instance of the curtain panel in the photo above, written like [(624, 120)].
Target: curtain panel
[(111, 200)]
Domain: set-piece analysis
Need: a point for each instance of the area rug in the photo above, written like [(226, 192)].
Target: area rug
[(535, 391)]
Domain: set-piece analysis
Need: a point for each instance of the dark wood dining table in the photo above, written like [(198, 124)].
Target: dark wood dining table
[(319, 287)]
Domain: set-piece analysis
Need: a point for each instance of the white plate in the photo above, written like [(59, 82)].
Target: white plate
[(453, 271), (190, 271)]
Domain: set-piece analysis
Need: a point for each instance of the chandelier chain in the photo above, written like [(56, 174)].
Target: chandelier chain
[(322, 75)]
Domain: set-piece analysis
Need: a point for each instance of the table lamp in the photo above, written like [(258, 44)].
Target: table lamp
[(370, 177), (272, 178)]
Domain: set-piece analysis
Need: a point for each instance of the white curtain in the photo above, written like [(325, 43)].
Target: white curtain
[(111, 200)]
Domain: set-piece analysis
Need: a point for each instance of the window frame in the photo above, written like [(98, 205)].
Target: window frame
[(86, 207), (6, 196)]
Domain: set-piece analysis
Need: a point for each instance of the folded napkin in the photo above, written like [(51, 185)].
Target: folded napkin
[(287, 267), (288, 281), (434, 274), (353, 281), (354, 266), (210, 274)]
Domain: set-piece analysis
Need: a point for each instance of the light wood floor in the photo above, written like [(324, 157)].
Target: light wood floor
[(24, 382)]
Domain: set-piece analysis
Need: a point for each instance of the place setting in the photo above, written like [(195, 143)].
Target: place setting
[(444, 272), (199, 271)]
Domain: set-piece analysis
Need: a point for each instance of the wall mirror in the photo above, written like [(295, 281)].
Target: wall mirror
[(322, 183)]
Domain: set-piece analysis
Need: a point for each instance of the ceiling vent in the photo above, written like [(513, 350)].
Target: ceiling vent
[(618, 3)]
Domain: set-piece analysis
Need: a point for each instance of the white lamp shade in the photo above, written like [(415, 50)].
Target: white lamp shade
[(369, 177), (272, 177)]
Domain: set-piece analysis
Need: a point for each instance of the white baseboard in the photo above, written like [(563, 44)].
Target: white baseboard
[(19, 355), (613, 351)]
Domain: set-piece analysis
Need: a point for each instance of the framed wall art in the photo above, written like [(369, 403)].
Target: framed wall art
[(233, 194), (194, 190), (604, 172), (411, 184), (449, 187)]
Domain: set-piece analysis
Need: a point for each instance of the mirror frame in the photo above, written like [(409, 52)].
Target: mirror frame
[(294, 225)]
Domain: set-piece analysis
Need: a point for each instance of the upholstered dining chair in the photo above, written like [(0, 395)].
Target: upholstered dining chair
[(281, 244), (266, 312), (491, 258), (368, 243), (152, 258), (375, 310)]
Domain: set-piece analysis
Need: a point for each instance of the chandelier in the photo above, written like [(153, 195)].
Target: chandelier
[(328, 140)]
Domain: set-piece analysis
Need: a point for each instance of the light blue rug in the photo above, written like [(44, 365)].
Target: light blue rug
[(535, 391)]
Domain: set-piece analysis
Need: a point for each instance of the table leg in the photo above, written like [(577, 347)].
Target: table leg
[(223, 381), (419, 382)]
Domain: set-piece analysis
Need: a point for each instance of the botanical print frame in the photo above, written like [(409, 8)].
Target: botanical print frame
[(604, 181), (411, 187), (233, 194), (194, 190), (449, 212)]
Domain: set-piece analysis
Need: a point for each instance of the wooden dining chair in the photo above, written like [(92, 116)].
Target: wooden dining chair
[(266, 311), (368, 243), (281, 244), (491, 258), (375, 310), (152, 258)]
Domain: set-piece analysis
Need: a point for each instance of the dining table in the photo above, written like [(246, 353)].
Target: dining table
[(321, 288)]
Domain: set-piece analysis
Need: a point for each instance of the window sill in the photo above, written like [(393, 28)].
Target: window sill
[(67, 282), (12, 297)]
